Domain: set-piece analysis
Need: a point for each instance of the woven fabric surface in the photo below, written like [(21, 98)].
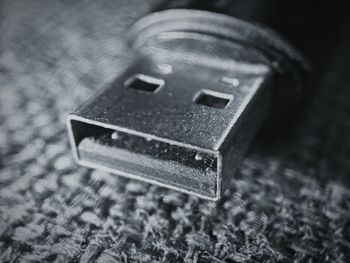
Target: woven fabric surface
[(289, 202)]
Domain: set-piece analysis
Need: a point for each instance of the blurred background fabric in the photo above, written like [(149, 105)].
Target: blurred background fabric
[(289, 202)]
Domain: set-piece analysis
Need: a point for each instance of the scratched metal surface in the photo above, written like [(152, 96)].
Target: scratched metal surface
[(290, 201)]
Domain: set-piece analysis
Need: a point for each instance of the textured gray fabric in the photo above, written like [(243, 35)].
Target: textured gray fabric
[(290, 201)]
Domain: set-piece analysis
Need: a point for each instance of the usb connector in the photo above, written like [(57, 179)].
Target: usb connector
[(183, 114)]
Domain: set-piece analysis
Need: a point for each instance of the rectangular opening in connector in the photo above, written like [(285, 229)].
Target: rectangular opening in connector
[(144, 83), (142, 157), (213, 99)]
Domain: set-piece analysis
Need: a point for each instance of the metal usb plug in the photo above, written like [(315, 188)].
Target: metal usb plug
[(183, 114)]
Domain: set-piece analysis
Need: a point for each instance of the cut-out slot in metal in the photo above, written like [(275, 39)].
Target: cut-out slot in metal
[(144, 83), (213, 99)]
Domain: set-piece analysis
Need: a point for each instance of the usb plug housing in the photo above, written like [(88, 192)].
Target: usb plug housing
[(183, 114)]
